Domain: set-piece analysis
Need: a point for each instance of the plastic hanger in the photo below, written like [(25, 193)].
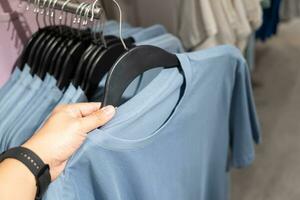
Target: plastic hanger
[(103, 64), (132, 64), (110, 41), (45, 39), (66, 72)]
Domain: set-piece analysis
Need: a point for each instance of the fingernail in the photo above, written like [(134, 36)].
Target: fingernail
[(109, 111)]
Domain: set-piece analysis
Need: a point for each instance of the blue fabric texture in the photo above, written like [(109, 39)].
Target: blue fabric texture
[(30, 108), (7, 86), (148, 33), (24, 100), (68, 95), (174, 139), (36, 119), (14, 89)]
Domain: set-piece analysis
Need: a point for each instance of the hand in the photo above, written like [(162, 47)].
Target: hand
[(65, 131)]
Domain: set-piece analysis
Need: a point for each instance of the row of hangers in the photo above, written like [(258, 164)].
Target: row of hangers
[(83, 56)]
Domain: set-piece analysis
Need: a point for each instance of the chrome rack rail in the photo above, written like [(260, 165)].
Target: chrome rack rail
[(70, 7)]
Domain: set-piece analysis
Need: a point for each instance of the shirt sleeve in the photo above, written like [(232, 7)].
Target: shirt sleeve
[(244, 125)]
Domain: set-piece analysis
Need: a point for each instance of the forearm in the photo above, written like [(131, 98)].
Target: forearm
[(16, 181)]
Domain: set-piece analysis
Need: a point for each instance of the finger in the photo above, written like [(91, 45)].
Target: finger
[(97, 119), (83, 109)]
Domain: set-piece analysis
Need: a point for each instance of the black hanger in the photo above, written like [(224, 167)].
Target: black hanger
[(103, 64), (52, 54), (67, 72), (85, 58), (110, 41), (130, 65), (29, 46), (38, 46)]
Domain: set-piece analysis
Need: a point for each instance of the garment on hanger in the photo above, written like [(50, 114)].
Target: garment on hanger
[(197, 22), (243, 29), (271, 20), (37, 105), (173, 118), (254, 13), (178, 129)]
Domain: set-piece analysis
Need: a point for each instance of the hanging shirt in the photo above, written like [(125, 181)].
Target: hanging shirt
[(254, 13), (48, 96), (35, 120), (226, 21), (270, 21), (31, 107), (9, 84), (173, 139), (243, 29)]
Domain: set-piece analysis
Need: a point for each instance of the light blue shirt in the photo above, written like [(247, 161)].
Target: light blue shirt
[(174, 139), (28, 110), (19, 106), (15, 91), (12, 80), (36, 119)]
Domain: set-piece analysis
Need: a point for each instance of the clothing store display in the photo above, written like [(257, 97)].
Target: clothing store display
[(164, 120), (184, 119), (254, 13), (199, 24), (19, 127)]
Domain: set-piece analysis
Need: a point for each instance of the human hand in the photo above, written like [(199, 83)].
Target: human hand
[(65, 131)]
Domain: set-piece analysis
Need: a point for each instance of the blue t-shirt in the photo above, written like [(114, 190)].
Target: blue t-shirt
[(174, 139), (7, 86)]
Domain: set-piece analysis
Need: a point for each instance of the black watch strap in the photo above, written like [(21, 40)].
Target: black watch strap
[(34, 163)]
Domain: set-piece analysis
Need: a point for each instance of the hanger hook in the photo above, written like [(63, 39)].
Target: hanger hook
[(86, 15), (83, 10), (37, 14), (76, 13), (62, 11), (43, 7), (52, 12), (120, 24), (28, 5), (98, 25)]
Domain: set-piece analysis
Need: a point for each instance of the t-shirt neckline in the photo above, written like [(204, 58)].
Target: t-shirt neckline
[(101, 138)]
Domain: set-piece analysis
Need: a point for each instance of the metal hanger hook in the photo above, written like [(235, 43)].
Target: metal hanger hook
[(43, 7), (120, 24), (76, 13), (28, 5), (86, 15)]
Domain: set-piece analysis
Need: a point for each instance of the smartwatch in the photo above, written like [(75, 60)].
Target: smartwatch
[(34, 163)]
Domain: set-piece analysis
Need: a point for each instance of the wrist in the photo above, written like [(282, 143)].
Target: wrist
[(14, 174), (38, 150), (20, 170)]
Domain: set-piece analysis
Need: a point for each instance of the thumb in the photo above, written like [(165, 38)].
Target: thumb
[(97, 119)]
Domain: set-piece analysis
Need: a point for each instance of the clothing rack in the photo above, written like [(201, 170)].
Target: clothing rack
[(71, 7)]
